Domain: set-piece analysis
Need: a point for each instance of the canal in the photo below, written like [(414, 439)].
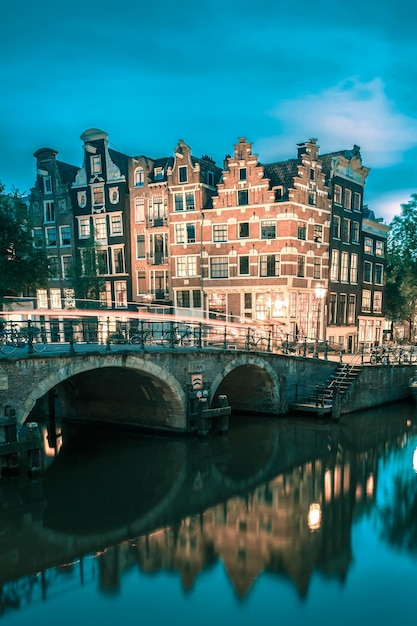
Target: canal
[(289, 521)]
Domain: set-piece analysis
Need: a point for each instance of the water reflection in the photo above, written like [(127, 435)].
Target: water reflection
[(275, 497)]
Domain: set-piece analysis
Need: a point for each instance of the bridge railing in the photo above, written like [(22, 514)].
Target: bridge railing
[(77, 330)]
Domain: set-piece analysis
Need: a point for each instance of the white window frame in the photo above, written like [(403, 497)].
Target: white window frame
[(65, 227), (84, 227), (116, 224)]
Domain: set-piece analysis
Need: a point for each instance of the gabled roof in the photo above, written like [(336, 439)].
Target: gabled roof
[(67, 172), (282, 172), (120, 159)]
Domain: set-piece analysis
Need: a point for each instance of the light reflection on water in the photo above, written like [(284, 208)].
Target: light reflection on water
[(283, 520)]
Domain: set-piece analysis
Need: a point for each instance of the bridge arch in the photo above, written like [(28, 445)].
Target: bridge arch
[(159, 390), (250, 384)]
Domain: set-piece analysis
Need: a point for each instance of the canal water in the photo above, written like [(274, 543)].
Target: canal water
[(280, 521)]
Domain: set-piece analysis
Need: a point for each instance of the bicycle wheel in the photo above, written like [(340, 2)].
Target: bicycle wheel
[(189, 339), (166, 339), (38, 343), (135, 340), (262, 344), (7, 346)]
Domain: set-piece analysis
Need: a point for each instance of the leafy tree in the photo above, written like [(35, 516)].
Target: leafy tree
[(23, 267), (84, 277), (401, 286)]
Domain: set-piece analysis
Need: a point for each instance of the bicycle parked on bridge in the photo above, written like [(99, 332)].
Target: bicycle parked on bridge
[(379, 356), (142, 337), (13, 338), (174, 337)]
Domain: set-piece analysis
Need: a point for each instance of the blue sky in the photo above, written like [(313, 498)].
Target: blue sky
[(277, 73)]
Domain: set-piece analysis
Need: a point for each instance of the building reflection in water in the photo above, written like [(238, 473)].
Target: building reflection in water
[(297, 521)]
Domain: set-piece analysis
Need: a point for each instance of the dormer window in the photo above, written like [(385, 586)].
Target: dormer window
[(96, 164), (210, 178), (158, 173), (139, 177)]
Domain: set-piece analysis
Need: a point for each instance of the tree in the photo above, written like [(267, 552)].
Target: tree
[(85, 275), (401, 284), (23, 267)]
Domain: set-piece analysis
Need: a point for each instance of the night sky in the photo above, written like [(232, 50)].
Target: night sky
[(150, 73)]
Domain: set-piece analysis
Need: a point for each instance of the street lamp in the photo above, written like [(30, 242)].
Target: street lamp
[(320, 293)]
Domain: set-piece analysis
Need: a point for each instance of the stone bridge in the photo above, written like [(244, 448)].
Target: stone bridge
[(154, 388)]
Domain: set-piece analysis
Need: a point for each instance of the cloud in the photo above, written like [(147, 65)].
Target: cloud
[(351, 112)]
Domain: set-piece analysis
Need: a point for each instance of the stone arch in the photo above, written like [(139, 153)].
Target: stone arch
[(269, 398), (172, 389)]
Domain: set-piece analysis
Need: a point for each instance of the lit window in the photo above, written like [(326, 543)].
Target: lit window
[(100, 229), (334, 267), (344, 267), (368, 245), (42, 297), (377, 302), (379, 248), (366, 300), (56, 300), (219, 232), (98, 195), (337, 195), (353, 268), (120, 294)]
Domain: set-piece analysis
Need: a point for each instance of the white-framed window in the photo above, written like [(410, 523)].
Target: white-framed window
[(47, 184), (344, 267), (65, 235), (347, 200), (49, 211), (351, 313), (268, 229), (302, 231), (379, 274), (301, 265), (189, 201), (357, 201), (157, 210), (242, 173), (353, 268), (334, 266), (42, 298), (95, 162), (100, 228), (183, 174), (184, 200), (140, 246), (158, 173), (336, 227), (56, 300), (269, 265), (333, 308), (139, 177), (243, 230), (53, 266), (242, 197), (367, 272), (219, 267), (37, 234), (379, 248), (120, 294), (50, 236), (118, 259), (346, 230), (368, 246), (366, 300), (318, 233), (102, 261), (139, 209), (219, 232), (97, 195), (185, 233), (341, 309), (337, 194), (377, 305), (186, 266), (244, 265), (355, 232), (83, 227), (317, 268), (141, 282), (66, 262), (116, 224)]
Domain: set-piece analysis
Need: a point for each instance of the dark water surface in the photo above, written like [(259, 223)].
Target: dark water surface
[(281, 521)]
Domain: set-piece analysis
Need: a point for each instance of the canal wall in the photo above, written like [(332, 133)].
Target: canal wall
[(376, 386)]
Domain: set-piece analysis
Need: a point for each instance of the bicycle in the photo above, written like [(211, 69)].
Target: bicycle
[(13, 338), (173, 337), (256, 344), (142, 337), (379, 357)]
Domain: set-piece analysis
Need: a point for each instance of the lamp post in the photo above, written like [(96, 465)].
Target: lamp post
[(320, 293)]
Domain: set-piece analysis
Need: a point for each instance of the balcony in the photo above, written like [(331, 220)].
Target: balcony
[(157, 259), (157, 221)]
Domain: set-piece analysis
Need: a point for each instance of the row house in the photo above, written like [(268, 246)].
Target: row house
[(149, 230), (263, 246), (289, 243), (102, 221), (50, 206)]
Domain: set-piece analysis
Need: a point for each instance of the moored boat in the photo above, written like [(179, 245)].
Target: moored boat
[(412, 384)]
